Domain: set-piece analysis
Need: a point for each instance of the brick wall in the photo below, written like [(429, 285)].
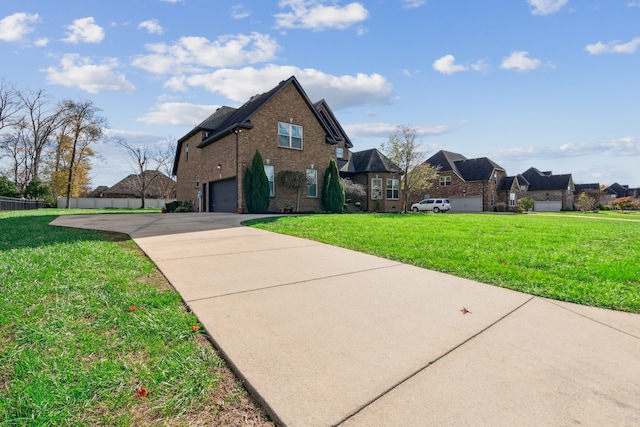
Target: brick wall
[(288, 107), (461, 188)]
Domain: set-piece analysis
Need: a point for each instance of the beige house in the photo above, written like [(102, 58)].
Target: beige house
[(290, 132)]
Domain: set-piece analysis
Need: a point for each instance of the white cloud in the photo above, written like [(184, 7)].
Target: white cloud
[(84, 30), (316, 16), (191, 54), (239, 11), (41, 42), (633, 4), (178, 114), (383, 130), (447, 65), (520, 61), (75, 71), (613, 47), (412, 4), (14, 27), (546, 7), (340, 91), (152, 26), (628, 146)]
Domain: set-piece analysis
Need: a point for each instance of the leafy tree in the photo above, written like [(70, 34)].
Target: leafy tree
[(333, 192), (58, 169), (404, 150), (37, 190), (624, 203), (293, 180), (587, 202), (83, 126), (8, 188), (257, 186), (525, 204)]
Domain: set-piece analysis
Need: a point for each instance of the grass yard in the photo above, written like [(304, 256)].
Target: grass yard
[(587, 261), (92, 334)]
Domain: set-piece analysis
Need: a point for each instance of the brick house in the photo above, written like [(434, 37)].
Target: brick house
[(291, 133), (549, 192), (156, 185), (615, 191), (471, 185)]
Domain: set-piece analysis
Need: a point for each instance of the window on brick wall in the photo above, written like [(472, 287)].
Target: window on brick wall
[(445, 181), (393, 188), (289, 135), (512, 199), (312, 183), (186, 151), (271, 174), (197, 181), (339, 152), (376, 188)]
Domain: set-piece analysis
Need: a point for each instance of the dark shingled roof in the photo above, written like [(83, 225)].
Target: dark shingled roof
[(580, 188), (621, 190), (545, 181), (227, 119), (369, 161), (479, 169), (130, 185)]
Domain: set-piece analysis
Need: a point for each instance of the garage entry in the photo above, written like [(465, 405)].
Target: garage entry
[(547, 206), (222, 196), (466, 204)]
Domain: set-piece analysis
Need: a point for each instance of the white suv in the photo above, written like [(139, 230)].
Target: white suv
[(435, 205)]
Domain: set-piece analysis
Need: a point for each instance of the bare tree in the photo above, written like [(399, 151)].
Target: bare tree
[(82, 125), (9, 104), (405, 150), (150, 164)]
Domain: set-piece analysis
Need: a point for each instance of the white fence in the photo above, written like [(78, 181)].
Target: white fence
[(107, 203)]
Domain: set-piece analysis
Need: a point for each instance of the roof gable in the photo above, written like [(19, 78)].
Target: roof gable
[(546, 181), (480, 169), (445, 161), (369, 161)]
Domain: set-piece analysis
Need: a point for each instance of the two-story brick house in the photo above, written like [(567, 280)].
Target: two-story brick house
[(471, 185), (290, 132), (548, 191)]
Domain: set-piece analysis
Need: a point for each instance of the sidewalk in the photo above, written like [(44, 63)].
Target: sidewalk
[(326, 336)]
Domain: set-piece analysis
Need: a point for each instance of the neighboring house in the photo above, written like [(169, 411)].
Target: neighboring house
[(592, 190), (98, 191), (373, 170), (290, 132), (471, 185), (156, 184), (615, 191), (549, 192)]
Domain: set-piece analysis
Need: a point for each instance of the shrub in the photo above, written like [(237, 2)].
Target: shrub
[(256, 186), (333, 194), (501, 207), (525, 204), (7, 188)]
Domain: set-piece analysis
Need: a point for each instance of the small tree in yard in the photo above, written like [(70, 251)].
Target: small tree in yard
[(256, 186), (8, 188), (293, 180), (624, 203), (333, 192), (404, 150), (525, 204), (587, 203)]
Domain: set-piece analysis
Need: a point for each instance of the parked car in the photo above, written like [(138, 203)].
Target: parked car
[(435, 205)]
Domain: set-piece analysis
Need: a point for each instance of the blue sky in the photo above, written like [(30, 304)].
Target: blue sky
[(552, 84)]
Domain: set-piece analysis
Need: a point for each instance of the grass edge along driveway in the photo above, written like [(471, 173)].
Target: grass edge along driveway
[(584, 261), (92, 334)]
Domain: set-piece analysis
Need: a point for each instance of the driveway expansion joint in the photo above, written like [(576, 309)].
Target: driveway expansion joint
[(432, 362)]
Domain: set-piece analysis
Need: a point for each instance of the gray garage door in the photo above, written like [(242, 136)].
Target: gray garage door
[(223, 196), (547, 206), (466, 204)]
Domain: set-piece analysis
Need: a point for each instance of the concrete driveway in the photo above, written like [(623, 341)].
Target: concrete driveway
[(324, 336)]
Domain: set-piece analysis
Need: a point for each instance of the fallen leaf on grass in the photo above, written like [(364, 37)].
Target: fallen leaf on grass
[(142, 392)]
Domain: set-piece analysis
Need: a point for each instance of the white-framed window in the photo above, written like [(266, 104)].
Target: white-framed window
[(271, 175), (339, 152), (312, 183), (289, 135), (512, 199), (186, 151), (523, 188), (376, 188), (393, 188), (197, 181), (495, 178), (445, 181)]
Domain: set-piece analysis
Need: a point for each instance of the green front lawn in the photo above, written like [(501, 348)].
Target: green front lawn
[(581, 260), (92, 334)]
